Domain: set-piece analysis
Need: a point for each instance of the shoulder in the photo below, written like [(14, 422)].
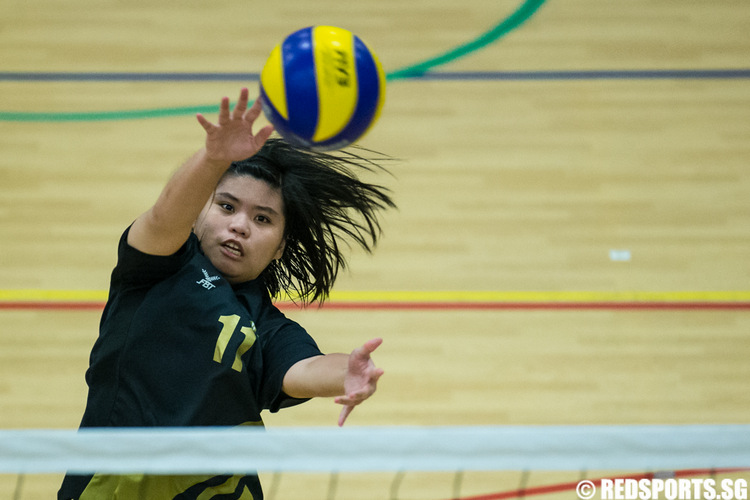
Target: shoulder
[(133, 264)]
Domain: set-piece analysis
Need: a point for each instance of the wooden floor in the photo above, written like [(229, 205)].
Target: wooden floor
[(539, 181)]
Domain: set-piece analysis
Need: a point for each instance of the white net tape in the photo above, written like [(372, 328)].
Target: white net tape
[(238, 450)]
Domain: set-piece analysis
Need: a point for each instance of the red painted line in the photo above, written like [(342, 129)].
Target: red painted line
[(428, 306), (528, 305), (557, 488)]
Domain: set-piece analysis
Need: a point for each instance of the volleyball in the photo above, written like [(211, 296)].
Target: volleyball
[(322, 88)]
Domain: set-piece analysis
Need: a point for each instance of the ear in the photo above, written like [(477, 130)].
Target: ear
[(280, 251)]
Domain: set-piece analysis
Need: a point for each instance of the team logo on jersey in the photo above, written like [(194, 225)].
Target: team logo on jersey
[(207, 281)]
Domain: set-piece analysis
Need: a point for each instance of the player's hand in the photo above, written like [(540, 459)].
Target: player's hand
[(232, 138), (361, 378)]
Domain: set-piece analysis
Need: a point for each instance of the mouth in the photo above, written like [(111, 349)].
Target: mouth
[(232, 248)]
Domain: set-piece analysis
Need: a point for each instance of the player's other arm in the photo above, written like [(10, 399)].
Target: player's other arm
[(351, 378)]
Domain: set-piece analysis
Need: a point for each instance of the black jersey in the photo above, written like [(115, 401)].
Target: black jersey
[(180, 346)]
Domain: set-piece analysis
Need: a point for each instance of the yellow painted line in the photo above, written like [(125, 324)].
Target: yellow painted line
[(455, 296), (30, 295)]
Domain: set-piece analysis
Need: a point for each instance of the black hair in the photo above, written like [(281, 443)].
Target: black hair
[(325, 205)]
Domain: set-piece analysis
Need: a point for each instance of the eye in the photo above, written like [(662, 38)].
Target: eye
[(263, 219), (228, 207)]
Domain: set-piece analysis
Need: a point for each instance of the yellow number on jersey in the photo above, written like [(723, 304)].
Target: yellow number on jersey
[(229, 327)]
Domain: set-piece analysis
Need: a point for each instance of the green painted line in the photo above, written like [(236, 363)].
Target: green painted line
[(516, 19), (93, 116), (527, 9)]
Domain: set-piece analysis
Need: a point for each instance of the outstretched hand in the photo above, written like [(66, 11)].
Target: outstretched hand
[(361, 378), (232, 138)]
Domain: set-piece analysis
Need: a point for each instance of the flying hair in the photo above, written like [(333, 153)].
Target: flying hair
[(327, 209)]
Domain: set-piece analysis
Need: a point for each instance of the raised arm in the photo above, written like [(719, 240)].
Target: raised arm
[(167, 224), (350, 379)]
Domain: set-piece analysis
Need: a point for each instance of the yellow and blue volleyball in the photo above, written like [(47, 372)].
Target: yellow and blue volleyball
[(322, 88)]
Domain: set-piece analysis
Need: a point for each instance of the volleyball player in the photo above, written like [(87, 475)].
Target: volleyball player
[(189, 335)]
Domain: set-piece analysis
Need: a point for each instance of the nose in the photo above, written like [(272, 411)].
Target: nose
[(240, 224)]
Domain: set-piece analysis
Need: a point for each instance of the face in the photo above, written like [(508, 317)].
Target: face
[(241, 228)]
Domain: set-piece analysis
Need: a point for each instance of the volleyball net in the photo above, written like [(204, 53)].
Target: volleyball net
[(477, 463)]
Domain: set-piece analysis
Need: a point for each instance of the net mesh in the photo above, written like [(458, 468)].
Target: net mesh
[(402, 485)]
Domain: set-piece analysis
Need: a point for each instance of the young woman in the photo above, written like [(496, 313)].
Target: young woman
[(189, 335)]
